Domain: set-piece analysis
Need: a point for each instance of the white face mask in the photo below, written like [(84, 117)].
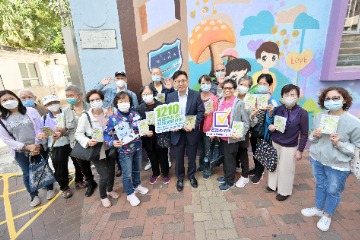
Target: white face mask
[(10, 104), (98, 104), (124, 107), (54, 107), (148, 98), (242, 89), (289, 101), (121, 83)]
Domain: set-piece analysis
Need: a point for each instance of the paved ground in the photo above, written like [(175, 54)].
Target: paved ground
[(202, 213)]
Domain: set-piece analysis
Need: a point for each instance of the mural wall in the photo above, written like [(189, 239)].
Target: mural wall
[(283, 38)]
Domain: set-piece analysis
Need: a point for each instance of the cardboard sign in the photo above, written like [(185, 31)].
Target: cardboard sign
[(220, 126), (168, 117), (125, 133)]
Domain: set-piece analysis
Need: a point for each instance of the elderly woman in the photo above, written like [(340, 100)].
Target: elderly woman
[(331, 153), (287, 143), (157, 154), (19, 129), (260, 130), (92, 125), (242, 157), (230, 145)]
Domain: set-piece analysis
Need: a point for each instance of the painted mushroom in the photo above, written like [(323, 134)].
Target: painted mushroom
[(209, 39)]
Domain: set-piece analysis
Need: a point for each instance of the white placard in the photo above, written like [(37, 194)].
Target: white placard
[(97, 38)]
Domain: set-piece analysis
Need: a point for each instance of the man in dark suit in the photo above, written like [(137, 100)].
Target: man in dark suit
[(186, 139)]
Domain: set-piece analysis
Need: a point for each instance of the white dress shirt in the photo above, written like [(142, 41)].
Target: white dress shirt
[(183, 101)]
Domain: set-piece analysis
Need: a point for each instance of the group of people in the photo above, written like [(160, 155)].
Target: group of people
[(111, 104)]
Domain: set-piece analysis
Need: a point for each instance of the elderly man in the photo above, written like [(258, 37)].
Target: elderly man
[(186, 139), (72, 113), (119, 85), (29, 100), (216, 85)]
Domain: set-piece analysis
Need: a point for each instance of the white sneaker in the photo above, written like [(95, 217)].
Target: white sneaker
[(169, 163), (147, 166), (142, 190), (242, 182), (324, 223), (238, 170), (311, 212), (35, 201), (50, 194), (133, 199)]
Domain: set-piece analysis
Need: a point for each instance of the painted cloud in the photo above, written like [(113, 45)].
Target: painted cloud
[(288, 16), (259, 24)]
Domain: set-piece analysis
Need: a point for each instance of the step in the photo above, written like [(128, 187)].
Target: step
[(350, 37), (348, 60), (350, 44), (352, 51)]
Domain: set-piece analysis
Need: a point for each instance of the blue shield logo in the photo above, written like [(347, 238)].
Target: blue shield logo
[(168, 58)]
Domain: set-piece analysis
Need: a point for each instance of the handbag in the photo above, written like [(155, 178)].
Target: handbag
[(355, 164), (89, 153), (40, 174), (266, 154), (163, 139), (258, 130)]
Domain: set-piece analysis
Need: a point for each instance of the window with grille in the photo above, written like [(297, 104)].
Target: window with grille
[(29, 74)]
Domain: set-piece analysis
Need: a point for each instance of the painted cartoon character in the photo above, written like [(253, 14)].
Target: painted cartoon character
[(267, 55), (237, 68)]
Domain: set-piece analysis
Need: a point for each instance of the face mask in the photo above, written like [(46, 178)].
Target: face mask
[(121, 83), (72, 101), (156, 78), (54, 107), (124, 107), (289, 101), (98, 104), (148, 98), (10, 104), (263, 89), (242, 89), (205, 87), (219, 74), (333, 105), (28, 103)]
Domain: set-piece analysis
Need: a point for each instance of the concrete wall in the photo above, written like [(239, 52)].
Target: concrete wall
[(97, 15)]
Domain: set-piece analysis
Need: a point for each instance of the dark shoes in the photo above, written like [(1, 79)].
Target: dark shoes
[(268, 190), (207, 171), (225, 187), (180, 185), (221, 180), (280, 197), (256, 179), (251, 172), (194, 182), (90, 188)]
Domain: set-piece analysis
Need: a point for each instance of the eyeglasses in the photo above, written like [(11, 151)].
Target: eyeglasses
[(228, 88), (220, 70), (96, 100), (181, 81), (333, 98), (147, 94)]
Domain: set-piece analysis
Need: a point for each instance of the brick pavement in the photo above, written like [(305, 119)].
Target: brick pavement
[(202, 213)]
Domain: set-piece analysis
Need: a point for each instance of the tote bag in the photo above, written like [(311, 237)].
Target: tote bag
[(266, 154)]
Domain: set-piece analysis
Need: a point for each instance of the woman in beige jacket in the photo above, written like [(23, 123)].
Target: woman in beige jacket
[(89, 136)]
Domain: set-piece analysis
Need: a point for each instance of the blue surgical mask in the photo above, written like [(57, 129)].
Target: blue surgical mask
[(219, 74), (72, 101), (156, 78), (263, 89), (28, 103), (333, 105), (205, 87)]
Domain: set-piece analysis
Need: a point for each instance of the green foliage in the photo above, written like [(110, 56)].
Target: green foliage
[(31, 24)]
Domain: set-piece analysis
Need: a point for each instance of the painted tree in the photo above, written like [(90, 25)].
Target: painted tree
[(33, 24)]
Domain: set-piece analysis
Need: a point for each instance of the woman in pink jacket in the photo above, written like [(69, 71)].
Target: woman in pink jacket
[(206, 143)]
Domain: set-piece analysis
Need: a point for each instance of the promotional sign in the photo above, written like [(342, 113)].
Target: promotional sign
[(168, 117), (220, 126)]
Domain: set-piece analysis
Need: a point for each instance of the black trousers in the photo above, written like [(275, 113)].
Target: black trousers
[(259, 169), (243, 157), (230, 151), (60, 159), (85, 169), (179, 149), (158, 156), (106, 170)]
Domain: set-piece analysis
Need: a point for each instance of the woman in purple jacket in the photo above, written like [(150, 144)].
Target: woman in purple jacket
[(20, 126), (286, 141)]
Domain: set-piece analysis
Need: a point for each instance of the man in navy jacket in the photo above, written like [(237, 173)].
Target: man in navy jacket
[(186, 139)]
